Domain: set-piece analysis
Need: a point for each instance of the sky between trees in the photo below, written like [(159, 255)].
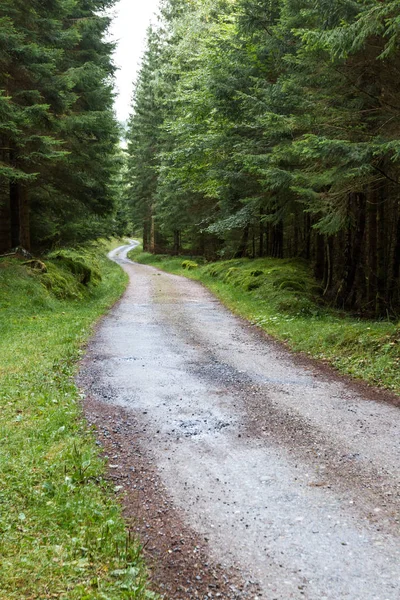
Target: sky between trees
[(131, 19)]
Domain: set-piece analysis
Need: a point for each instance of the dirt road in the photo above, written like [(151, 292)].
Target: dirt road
[(250, 472)]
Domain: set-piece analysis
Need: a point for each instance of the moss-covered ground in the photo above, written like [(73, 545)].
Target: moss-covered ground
[(61, 530), (282, 298)]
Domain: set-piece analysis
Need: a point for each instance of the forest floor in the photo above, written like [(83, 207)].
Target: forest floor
[(249, 472)]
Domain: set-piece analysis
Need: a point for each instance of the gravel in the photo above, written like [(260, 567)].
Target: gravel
[(268, 475)]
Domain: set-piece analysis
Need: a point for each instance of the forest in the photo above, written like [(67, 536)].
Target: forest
[(259, 128), (271, 128), (58, 134), (169, 449)]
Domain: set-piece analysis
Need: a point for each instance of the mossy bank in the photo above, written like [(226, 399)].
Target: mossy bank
[(282, 298), (61, 530)]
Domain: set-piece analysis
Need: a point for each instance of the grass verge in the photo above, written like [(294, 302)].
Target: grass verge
[(61, 530), (281, 297)]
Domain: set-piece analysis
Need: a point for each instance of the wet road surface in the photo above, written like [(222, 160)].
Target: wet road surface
[(290, 474)]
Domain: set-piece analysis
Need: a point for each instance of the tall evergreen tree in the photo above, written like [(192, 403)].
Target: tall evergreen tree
[(58, 134), (144, 141), (277, 134)]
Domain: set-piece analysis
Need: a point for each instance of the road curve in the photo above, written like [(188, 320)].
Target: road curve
[(289, 473)]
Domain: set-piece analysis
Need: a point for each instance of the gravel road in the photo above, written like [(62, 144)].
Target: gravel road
[(282, 476)]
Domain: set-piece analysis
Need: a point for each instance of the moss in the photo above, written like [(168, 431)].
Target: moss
[(65, 275), (82, 264), (290, 283), (212, 271), (62, 283), (189, 265), (36, 265)]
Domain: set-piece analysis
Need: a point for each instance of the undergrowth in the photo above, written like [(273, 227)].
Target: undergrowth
[(61, 530), (282, 298)]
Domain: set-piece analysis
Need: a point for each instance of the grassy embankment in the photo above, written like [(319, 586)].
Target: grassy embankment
[(61, 530), (281, 297)]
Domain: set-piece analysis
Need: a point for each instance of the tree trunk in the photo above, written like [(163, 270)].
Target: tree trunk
[(371, 250), (261, 237), (242, 249), (277, 240), (177, 241), (357, 240), (14, 214), (24, 218), (328, 265), (307, 236), (20, 219), (395, 292), (5, 220), (319, 265), (152, 242), (146, 231), (295, 249), (5, 224), (202, 245), (380, 297)]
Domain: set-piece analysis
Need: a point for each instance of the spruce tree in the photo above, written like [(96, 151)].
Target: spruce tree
[(58, 134), (277, 135)]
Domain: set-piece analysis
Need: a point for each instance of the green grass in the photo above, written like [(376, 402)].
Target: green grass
[(61, 530), (281, 297)]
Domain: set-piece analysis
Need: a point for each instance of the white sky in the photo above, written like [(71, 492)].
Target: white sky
[(132, 17)]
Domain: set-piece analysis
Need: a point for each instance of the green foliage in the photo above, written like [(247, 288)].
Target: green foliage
[(71, 273), (62, 283), (58, 134), (270, 129), (81, 263), (62, 533), (189, 265), (287, 285)]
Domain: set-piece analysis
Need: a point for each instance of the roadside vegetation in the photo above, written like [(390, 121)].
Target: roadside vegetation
[(61, 530), (270, 129), (282, 297)]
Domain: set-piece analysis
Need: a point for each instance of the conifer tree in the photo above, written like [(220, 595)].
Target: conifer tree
[(144, 141), (277, 135), (58, 133)]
